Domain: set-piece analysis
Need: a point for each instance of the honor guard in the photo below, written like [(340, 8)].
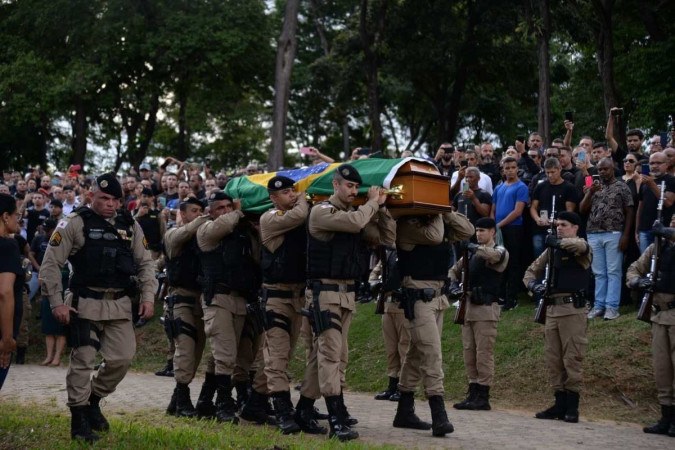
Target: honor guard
[(486, 265), (662, 285), (336, 235), (184, 322), (424, 246), (106, 249), (229, 249), (565, 330)]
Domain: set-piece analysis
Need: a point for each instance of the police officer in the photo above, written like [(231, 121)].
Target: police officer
[(184, 323), (663, 321), (565, 330), (152, 221), (106, 248), (486, 265), (396, 335), (424, 246), (336, 234), (229, 256)]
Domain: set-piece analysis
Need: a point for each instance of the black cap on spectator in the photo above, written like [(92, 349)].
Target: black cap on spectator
[(219, 195), (279, 183), (486, 223), (191, 201), (108, 184), (148, 192), (349, 173), (570, 217), (58, 203), (49, 224), (67, 188)]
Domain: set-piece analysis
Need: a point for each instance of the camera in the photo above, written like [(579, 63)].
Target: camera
[(596, 179)]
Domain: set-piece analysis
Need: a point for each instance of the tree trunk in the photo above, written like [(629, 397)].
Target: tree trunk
[(286, 48), (544, 103), (605, 52), (371, 65), (182, 147), (79, 142)]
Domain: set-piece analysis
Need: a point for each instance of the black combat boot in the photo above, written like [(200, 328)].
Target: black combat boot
[(225, 406), (79, 425), (243, 390), (405, 414), (572, 410), (305, 417), (440, 425), (336, 420), (20, 355), (671, 430), (471, 396), (318, 415), (255, 409), (167, 371), (205, 407), (558, 410), (664, 423), (482, 400), (391, 390), (283, 409), (171, 409), (184, 406), (349, 420), (94, 415)]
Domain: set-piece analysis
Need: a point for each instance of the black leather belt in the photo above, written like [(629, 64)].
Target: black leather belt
[(668, 306), (182, 299), (100, 295), (279, 293), (427, 294), (561, 300), (336, 287)]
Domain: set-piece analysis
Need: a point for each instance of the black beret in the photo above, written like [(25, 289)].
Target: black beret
[(148, 192), (108, 184), (49, 224), (349, 173), (58, 203), (219, 195), (570, 217), (486, 223), (279, 183), (191, 201)]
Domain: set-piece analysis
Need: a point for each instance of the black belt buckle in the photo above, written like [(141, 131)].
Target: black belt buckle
[(428, 294)]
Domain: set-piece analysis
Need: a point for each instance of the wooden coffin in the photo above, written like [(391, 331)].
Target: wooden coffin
[(425, 191)]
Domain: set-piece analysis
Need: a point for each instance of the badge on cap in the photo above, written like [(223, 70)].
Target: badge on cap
[(345, 172), (104, 184), (277, 184)]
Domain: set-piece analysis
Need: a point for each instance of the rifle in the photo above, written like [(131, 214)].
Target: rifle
[(461, 309), (384, 273), (540, 315), (645, 311)]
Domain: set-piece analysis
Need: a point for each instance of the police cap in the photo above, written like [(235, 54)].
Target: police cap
[(219, 195), (279, 183), (349, 173), (570, 217), (486, 223), (108, 184), (190, 201)]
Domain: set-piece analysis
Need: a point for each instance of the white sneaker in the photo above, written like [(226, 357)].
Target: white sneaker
[(611, 314), (595, 312)]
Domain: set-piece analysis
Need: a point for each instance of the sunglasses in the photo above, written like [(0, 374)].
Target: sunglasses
[(632, 161)]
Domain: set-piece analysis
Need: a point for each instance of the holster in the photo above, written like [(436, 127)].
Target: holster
[(256, 315), (579, 299), (79, 333), (408, 303), (208, 289), (320, 320)]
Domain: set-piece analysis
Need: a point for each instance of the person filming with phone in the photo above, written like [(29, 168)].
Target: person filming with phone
[(654, 173)]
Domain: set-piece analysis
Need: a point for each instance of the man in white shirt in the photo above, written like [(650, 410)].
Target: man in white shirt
[(485, 183)]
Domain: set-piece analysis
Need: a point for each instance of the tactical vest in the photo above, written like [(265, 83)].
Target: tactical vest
[(392, 281), (106, 260), (568, 275), (426, 262), (480, 275), (183, 270), (287, 264), (340, 258), (665, 282), (231, 264), (150, 225)]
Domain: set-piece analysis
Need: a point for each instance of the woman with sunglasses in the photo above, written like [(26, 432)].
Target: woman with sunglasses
[(632, 176), (11, 283)]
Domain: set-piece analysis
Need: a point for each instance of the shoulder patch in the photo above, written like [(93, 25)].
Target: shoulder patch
[(145, 243), (324, 206), (56, 239), (280, 212), (62, 224)]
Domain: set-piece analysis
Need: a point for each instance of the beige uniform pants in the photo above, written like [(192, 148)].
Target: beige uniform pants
[(396, 340), (478, 341), (118, 346), (663, 359), (424, 361), (223, 324), (280, 342), (189, 351), (565, 347)]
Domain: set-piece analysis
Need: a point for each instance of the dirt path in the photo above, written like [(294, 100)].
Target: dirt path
[(485, 430)]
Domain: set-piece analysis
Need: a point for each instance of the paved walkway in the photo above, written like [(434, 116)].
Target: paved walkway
[(474, 430)]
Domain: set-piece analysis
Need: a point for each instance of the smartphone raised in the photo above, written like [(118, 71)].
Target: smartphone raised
[(306, 150), (464, 163), (569, 115), (596, 179), (588, 181), (645, 169), (581, 156)]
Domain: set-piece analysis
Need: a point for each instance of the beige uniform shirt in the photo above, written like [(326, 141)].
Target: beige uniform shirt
[(640, 268), (496, 258), (583, 254), (69, 240), (175, 240)]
